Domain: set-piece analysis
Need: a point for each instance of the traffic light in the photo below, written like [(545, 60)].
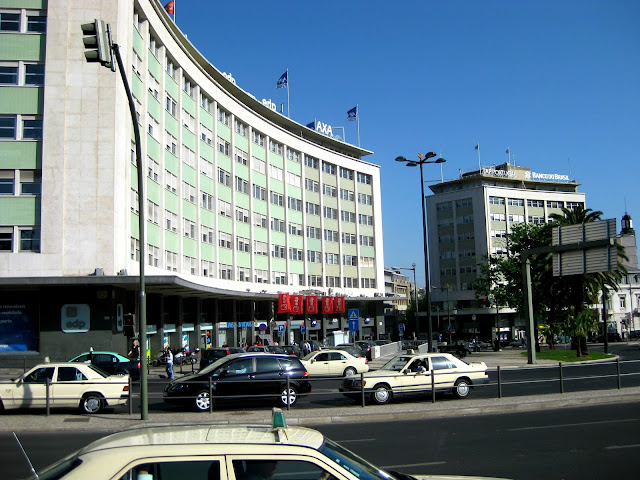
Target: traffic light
[(128, 326), (96, 42)]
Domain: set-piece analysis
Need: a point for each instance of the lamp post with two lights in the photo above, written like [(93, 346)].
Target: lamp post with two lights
[(414, 163)]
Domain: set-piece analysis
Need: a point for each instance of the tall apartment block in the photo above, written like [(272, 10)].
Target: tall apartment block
[(468, 219), (241, 202)]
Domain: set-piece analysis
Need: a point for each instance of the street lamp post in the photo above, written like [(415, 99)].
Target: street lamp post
[(414, 163)]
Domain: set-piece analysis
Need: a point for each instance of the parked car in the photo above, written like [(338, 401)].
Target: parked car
[(276, 349), (242, 375), (210, 355), (110, 362), (366, 346), (334, 362), (81, 385), (351, 349), (222, 452), (292, 350), (516, 344), (611, 337), (401, 375), (258, 348)]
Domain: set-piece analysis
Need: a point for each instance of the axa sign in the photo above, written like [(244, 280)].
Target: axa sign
[(320, 127)]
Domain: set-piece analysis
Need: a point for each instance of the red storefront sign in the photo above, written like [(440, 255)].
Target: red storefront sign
[(338, 305), (327, 305), (296, 304), (283, 303), (312, 304)]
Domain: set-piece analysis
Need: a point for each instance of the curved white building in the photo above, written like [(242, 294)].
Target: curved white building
[(241, 201)]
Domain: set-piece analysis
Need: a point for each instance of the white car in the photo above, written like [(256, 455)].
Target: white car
[(334, 362), (410, 374), (220, 452), (70, 385)]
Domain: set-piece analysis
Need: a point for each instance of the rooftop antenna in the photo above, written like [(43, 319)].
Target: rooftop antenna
[(569, 168)]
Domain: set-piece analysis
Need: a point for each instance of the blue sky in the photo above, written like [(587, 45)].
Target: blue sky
[(558, 82)]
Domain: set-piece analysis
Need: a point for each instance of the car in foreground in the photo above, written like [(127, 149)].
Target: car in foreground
[(292, 350), (410, 374), (241, 375), (334, 362), (220, 452), (79, 385), (111, 362), (210, 355)]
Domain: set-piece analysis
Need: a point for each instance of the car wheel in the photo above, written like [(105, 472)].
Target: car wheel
[(461, 388), (381, 394), (288, 397), (92, 403), (202, 401), (350, 372)]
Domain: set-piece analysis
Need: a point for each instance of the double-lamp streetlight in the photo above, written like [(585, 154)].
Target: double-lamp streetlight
[(414, 163)]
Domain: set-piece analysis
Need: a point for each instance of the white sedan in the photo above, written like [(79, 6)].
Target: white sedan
[(70, 385), (411, 374), (334, 362)]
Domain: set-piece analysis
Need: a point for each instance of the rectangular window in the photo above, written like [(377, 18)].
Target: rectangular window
[(8, 74), (208, 268), (258, 165), (225, 272), (329, 168), (189, 228), (277, 198), (311, 185), (535, 203), (259, 193), (277, 225), (258, 138), (189, 265), (188, 156), (188, 86), (8, 126), (224, 208), (171, 181), (171, 143), (242, 215), (188, 120), (206, 135), (329, 190), (30, 240), (171, 106), (9, 22), (153, 212), (260, 248), (224, 177), (295, 229), (188, 192), (496, 200), (314, 232), (135, 249), (331, 213), (364, 178), (293, 179), (311, 162), (515, 202), (348, 195), (153, 255), (241, 128), (275, 172), (293, 155), (206, 167), (294, 204), (208, 235), (223, 117), (346, 173), (242, 157), (171, 260), (242, 185), (153, 169), (225, 240), (331, 236), (172, 220), (32, 128), (259, 220), (243, 244), (312, 208), (6, 182), (6, 239), (224, 147)]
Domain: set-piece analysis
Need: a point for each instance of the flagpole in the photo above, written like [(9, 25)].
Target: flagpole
[(478, 148), (288, 82), (358, 122)]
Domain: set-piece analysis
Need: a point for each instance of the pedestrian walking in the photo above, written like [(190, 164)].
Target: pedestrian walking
[(169, 363)]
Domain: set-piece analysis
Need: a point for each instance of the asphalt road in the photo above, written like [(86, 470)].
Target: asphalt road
[(570, 443)]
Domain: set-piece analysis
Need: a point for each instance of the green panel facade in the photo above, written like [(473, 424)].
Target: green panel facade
[(138, 44), (188, 103), (135, 224), (25, 100), (171, 241), (171, 125), (224, 132), (189, 210), (188, 138), (28, 4), (206, 184), (154, 150), (18, 46), (206, 119), (241, 142), (207, 218), (26, 155), (154, 235), (137, 87), (19, 210), (154, 107), (134, 177), (261, 263), (206, 151), (189, 174), (189, 247), (154, 191), (243, 230), (225, 256), (243, 259), (171, 201), (154, 67), (171, 162), (208, 252)]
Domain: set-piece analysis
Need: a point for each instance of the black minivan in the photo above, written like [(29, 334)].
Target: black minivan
[(242, 375)]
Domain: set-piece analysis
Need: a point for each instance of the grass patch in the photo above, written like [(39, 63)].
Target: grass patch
[(569, 355)]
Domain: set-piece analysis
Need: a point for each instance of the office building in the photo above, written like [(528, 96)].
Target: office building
[(469, 218), (241, 202)]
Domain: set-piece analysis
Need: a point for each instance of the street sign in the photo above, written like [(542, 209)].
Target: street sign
[(354, 314), (303, 328), (577, 258), (281, 328), (353, 325), (401, 327)]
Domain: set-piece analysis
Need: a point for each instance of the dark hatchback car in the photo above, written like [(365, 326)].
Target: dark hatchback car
[(210, 355), (242, 375), (111, 362)]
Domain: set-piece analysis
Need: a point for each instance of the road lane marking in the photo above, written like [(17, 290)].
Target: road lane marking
[(541, 427), (617, 447), (428, 464)]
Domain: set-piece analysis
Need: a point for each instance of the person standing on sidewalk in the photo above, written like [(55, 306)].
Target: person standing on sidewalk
[(169, 363)]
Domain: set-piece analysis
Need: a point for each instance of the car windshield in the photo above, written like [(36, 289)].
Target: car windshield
[(397, 363), (352, 463), (309, 356)]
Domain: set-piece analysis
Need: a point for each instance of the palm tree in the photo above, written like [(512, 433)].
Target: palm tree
[(582, 289)]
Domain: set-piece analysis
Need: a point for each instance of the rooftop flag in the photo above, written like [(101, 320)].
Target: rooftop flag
[(352, 115), (283, 81), (170, 7)]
